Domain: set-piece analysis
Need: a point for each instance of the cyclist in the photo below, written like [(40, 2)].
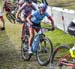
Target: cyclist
[(71, 30), (35, 20), (2, 19), (26, 9), (6, 7)]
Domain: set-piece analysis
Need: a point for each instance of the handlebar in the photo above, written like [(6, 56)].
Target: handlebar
[(48, 29), (42, 30), (35, 27)]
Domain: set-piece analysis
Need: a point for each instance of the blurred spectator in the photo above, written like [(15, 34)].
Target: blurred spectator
[(2, 19)]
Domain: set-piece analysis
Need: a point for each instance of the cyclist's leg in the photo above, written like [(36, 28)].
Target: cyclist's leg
[(23, 28), (2, 19), (31, 32), (23, 32), (38, 25)]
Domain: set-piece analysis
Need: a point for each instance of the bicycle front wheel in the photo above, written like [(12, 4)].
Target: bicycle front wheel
[(24, 47), (60, 54), (44, 51)]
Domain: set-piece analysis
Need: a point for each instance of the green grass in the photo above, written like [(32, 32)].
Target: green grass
[(58, 37)]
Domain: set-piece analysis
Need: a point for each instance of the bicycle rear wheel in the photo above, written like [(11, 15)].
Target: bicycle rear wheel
[(44, 51), (61, 53)]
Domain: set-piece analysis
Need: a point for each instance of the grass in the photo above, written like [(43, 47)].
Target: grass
[(59, 37)]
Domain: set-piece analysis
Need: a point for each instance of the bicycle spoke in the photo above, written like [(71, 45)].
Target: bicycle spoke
[(43, 55)]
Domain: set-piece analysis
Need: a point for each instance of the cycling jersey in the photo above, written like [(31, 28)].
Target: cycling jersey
[(6, 6), (37, 17), (26, 10)]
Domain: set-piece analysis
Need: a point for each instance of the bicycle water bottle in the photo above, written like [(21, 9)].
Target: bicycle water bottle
[(35, 43)]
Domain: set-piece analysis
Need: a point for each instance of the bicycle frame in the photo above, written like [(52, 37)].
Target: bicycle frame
[(36, 39)]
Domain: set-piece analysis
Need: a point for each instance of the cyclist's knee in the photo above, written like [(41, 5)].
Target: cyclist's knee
[(31, 36)]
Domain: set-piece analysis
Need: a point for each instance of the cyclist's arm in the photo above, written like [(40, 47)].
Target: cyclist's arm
[(19, 10), (52, 22), (50, 18), (17, 14), (32, 15), (29, 19)]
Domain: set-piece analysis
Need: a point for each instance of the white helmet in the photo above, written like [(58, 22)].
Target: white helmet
[(43, 6)]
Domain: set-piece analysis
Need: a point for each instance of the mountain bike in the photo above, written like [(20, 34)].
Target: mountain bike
[(42, 50), (61, 57)]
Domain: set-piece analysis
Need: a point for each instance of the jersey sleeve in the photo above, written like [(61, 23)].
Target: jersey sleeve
[(46, 14)]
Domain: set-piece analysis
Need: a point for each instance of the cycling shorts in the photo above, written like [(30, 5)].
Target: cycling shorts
[(37, 25), (1, 17)]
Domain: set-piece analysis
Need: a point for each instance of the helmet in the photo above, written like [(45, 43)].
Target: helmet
[(43, 6), (29, 1)]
